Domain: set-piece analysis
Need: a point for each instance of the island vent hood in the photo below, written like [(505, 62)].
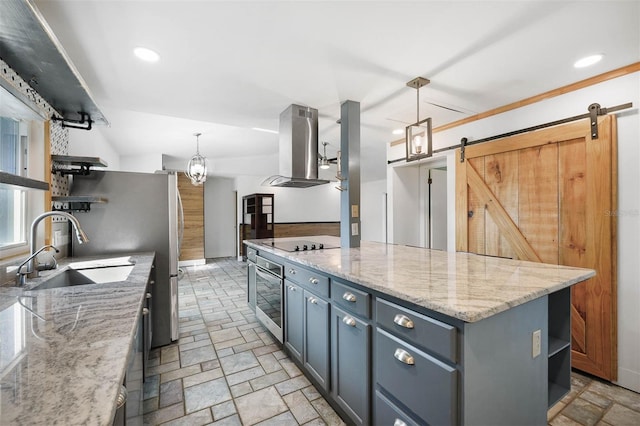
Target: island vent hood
[(298, 160)]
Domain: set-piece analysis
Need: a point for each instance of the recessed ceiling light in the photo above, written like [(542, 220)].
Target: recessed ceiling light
[(146, 55), (398, 131), (264, 130), (588, 60)]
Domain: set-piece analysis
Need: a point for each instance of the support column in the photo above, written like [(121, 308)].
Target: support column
[(350, 161)]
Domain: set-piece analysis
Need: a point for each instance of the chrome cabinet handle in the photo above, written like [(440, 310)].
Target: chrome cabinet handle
[(399, 422), (145, 311), (313, 301), (292, 271), (403, 321), (292, 288), (349, 321), (404, 356), (313, 280), (148, 296), (349, 297), (152, 282)]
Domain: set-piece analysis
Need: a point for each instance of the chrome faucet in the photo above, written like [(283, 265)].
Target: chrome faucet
[(21, 276), (80, 235)]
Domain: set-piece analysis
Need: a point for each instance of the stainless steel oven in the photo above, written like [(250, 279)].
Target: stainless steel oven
[(269, 284)]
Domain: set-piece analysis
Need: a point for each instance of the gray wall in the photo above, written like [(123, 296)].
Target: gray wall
[(219, 217)]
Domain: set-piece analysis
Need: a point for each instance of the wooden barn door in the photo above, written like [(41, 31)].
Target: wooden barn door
[(550, 196)]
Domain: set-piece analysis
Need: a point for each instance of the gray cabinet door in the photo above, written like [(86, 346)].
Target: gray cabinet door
[(251, 286), (294, 319), (350, 365), (316, 338)]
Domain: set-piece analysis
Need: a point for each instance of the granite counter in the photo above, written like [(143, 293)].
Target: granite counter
[(465, 286), (64, 350)]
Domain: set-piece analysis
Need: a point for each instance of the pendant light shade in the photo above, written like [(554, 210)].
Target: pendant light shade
[(197, 166), (418, 134), (324, 161)]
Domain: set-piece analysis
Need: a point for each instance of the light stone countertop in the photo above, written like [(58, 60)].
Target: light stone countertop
[(465, 286), (63, 351)]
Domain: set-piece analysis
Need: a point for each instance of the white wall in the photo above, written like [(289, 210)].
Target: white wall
[(220, 229), (147, 163), (372, 210), (91, 143), (316, 204), (607, 94)]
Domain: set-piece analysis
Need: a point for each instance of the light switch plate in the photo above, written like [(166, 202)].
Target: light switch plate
[(536, 343)]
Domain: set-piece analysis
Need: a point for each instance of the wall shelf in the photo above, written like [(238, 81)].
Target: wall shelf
[(21, 182), (78, 165), (76, 203)]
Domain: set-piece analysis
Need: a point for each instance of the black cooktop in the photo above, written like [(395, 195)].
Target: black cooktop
[(299, 245)]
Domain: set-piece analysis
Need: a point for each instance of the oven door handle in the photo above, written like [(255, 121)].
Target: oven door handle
[(266, 275)]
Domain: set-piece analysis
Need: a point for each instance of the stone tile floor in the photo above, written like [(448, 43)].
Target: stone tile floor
[(227, 370), (595, 402)]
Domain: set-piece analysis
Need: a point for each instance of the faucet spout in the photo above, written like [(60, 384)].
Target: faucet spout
[(80, 235)]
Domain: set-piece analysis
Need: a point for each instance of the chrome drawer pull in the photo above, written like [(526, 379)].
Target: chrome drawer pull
[(399, 422), (349, 297), (145, 311), (403, 356), (292, 288), (349, 321), (313, 301), (403, 321), (148, 296), (313, 280), (292, 271)]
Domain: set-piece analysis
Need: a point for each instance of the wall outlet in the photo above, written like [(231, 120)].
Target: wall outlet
[(536, 343)]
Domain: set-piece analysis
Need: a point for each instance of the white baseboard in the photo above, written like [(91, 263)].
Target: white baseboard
[(194, 262), (628, 379)]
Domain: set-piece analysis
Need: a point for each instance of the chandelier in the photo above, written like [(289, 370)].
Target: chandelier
[(197, 166)]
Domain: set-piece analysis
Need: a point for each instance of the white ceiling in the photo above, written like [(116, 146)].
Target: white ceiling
[(229, 66)]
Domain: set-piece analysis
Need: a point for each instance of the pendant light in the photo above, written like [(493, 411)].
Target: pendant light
[(418, 134), (197, 166), (324, 161)]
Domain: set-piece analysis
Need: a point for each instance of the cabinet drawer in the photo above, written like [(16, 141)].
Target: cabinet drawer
[(311, 280), (418, 329), (426, 386), (355, 301), (387, 413)]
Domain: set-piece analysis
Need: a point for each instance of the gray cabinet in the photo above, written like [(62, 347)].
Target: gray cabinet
[(350, 364), (294, 319), (316, 338)]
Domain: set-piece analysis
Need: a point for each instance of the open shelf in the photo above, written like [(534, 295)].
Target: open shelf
[(559, 337), (20, 182), (76, 203), (556, 345), (80, 165), (257, 217)]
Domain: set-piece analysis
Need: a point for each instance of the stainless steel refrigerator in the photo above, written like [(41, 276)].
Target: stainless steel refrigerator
[(142, 213)]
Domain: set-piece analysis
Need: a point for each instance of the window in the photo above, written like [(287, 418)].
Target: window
[(13, 142)]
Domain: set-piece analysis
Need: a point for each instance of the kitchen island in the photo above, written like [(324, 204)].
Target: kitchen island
[(65, 351), (415, 336)]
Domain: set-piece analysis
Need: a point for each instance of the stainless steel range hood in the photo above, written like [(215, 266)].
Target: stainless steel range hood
[(298, 164)]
